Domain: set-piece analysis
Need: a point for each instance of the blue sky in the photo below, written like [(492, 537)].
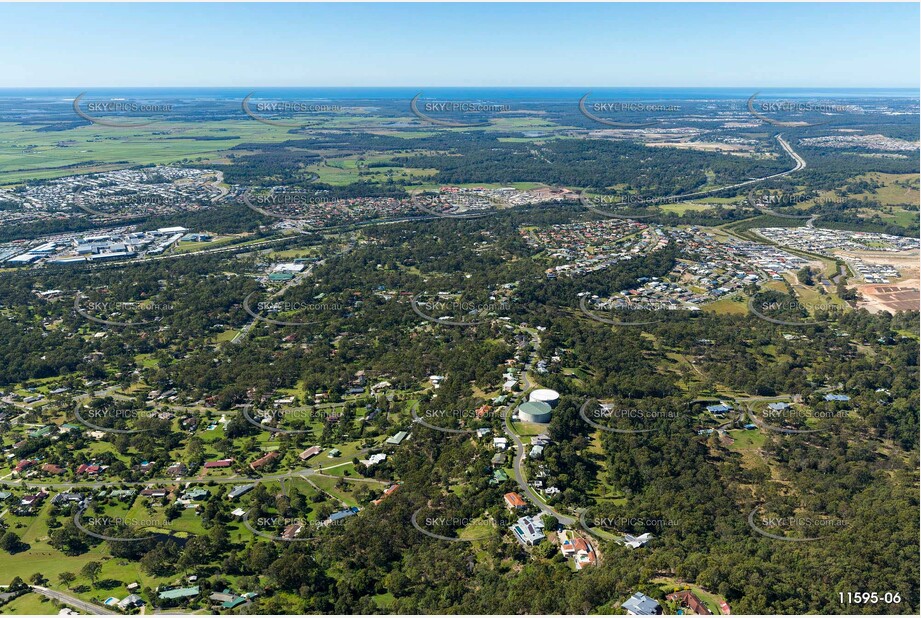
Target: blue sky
[(763, 45)]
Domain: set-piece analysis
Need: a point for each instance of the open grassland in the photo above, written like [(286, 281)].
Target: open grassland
[(30, 604), (27, 154), (896, 189), (349, 170)]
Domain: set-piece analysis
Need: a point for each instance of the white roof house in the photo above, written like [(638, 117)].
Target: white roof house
[(529, 530)]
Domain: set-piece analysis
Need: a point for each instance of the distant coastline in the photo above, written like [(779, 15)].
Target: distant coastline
[(492, 93)]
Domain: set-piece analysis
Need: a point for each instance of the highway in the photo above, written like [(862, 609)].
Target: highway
[(800, 164)]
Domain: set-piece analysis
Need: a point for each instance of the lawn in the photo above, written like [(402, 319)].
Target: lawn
[(328, 485), (30, 603), (712, 601), (747, 440), (735, 305)]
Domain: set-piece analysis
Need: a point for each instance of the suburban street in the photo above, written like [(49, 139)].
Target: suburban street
[(520, 452), (83, 606)]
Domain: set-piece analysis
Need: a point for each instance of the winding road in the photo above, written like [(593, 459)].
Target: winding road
[(520, 452), (800, 164)]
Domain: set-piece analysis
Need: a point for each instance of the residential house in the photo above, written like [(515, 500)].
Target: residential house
[(264, 460), (24, 465), (688, 599), (195, 494), (65, 497), (387, 492), (641, 605), (239, 490), (397, 438), (340, 515), (499, 476), (89, 469), (636, 541), (578, 548), (313, 451), (513, 501), (177, 469), (154, 492), (178, 594), (130, 601), (529, 530), (34, 499), (375, 459)]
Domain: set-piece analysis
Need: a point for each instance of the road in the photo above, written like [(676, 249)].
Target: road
[(520, 478), (800, 164), (73, 601), (520, 452), (297, 280), (238, 480)]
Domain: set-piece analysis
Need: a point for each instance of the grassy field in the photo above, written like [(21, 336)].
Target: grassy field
[(747, 439), (736, 305), (27, 154), (348, 170), (684, 207), (891, 194), (30, 604)]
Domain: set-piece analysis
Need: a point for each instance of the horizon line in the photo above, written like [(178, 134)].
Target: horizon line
[(244, 86)]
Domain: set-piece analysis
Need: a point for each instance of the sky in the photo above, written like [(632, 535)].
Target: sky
[(678, 45)]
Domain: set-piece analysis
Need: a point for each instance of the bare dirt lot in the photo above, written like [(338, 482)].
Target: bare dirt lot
[(891, 298), (903, 294)]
